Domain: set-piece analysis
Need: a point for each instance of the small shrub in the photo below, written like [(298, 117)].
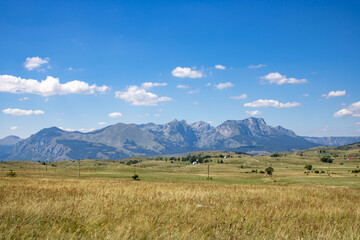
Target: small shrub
[(308, 167), (317, 171), (275, 155), (261, 172), (135, 177), (11, 174)]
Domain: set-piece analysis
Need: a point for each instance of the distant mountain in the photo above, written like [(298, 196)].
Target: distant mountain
[(121, 140), (7, 144), (333, 141), (10, 140)]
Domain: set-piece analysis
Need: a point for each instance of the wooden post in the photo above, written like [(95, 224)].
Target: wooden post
[(208, 171)]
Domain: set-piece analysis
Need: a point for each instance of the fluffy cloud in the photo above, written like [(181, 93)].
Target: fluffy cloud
[(334, 94), (13, 127), (35, 62), (115, 114), (186, 72), (240, 97), (257, 66), (351, 111), (48, 87), (139, 96), (102, 123), (20, 112), (279, 79), (182, 86), (271, 103), (253, 113), (221, 67), (224, 85)]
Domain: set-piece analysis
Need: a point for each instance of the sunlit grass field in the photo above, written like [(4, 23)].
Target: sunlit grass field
[(177, 200)]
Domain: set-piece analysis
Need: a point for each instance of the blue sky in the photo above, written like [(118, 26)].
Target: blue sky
[(83, 65)]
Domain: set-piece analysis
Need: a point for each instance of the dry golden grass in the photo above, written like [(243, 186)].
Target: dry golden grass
[(45, 208)]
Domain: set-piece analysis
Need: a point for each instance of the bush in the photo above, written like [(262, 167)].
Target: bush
[(135, 177), (355, 171), (308, 167), (11, 174), (316, 171), (275, 155), (132, 162), (261, 172)]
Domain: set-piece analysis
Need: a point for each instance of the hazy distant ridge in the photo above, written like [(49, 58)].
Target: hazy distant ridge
[(333, 141)]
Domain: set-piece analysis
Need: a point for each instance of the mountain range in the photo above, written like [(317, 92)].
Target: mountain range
[(121, 140)]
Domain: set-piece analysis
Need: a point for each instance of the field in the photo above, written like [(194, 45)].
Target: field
[(175, 199)]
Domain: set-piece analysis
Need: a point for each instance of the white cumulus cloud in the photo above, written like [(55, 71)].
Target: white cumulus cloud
[(182, 86), (114, 114), (221, 67), (186, 72), (279, 79), (139, 96), (13, 127), (240, 97), (102, 123), (20, 112), (253, 113), (351, 111), (224, 85), (271, 103), (257, 66), (332, 94), (32, 63), (48, 87)]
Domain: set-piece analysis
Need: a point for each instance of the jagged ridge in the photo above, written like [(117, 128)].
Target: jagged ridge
[(121, 140)]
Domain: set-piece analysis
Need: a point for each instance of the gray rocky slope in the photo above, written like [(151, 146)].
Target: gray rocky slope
[(121, 140)]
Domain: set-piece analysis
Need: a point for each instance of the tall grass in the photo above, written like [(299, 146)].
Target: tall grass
[(33, 208)]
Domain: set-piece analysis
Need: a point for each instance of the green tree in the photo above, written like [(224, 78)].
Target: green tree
[(326, 159), (269, 171)]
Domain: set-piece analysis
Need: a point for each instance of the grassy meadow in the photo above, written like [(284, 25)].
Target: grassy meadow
[(175, 199)]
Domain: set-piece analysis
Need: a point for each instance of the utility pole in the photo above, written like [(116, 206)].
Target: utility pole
[(79, 168)]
